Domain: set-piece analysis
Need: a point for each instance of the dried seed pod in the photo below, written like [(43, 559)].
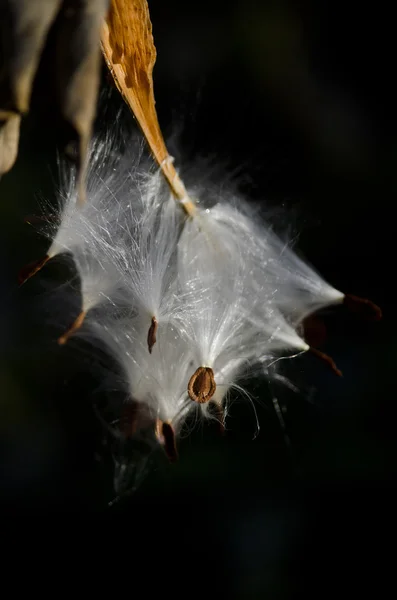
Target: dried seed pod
[(9, 140), (78, 61), (24, 28), (202, 385), (24, 34), (151, 336), (129, 51)]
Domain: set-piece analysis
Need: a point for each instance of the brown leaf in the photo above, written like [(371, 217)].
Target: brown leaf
[(129, 51), (9, 138)]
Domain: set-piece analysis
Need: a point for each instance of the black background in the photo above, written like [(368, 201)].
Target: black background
[(296, 100)]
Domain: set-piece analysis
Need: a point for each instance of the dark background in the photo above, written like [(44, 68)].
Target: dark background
[(296, 100)]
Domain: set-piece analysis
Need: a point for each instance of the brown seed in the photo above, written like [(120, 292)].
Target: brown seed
[(166, 435), (327, 359), (31, 269), (73, 328), (202, 385), (363, 306), (314, 331), (170, 442), (151, 336)]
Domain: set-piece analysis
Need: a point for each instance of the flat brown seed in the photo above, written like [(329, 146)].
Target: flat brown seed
[(202, 385), (151, 336)]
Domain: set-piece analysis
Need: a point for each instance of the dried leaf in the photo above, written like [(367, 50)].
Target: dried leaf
[(129, 51), (9, 139)]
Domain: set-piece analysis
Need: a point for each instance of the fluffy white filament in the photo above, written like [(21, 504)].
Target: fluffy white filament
[(185, 304)]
